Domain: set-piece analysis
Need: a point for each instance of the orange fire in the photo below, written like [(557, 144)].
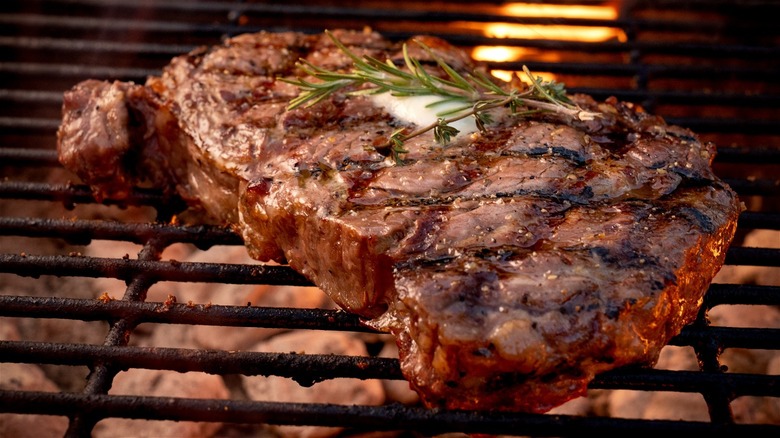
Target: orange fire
[(558, 32)]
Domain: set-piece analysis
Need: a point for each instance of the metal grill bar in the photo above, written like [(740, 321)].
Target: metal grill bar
[(388, 418), (753, 256), (741, 294), (128, 269), (83, 231), (726, 125), (23, 124), (58, 44), (66, 71), (70, 195), (759, 187), (102, 376), (180, 313), (753, 219), (691, 97), (728, 337), (80, 23), (40, 157), (307, 369)]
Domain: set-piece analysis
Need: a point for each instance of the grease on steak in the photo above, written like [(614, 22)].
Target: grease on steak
[(512, 265)]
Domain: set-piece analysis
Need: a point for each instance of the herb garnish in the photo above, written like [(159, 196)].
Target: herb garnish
[(472, 94)]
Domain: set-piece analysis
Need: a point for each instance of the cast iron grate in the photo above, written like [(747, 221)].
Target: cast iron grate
[(47, 46)]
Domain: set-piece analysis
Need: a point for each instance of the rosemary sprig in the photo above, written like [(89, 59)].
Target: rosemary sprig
[(472, 94)]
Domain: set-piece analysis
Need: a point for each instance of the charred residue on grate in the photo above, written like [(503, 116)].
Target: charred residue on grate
[(713, 71)]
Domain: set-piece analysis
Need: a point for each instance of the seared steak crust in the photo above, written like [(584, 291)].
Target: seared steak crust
[(512, 265)]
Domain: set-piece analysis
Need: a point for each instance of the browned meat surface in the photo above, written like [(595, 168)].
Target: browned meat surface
[(512, 265)]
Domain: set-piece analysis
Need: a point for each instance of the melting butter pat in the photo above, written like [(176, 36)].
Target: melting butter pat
[(417, 110)]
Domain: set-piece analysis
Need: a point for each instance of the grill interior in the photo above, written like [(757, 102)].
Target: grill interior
[(709, 66)]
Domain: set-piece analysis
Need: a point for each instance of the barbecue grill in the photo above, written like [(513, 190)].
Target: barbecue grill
[(710, 66)]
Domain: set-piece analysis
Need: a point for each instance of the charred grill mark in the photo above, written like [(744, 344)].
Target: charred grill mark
[(628, 258), (414, 264), (553, 194), (624, 257), (313, 170), (587, 192), (696, 217), (494, 256), (576, 157), (612, 310), (682, 135), (604, 254), (563, 198), (691, 178), (616, 143), (478, 290)]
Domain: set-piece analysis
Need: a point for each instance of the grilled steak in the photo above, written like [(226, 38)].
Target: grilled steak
[(512, 265)]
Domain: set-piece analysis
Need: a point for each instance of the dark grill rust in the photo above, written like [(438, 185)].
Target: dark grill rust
[(715, 73)]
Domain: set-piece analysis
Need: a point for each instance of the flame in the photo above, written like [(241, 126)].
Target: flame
[(557, 32), (506, 75), (545, 31), (592, 12)]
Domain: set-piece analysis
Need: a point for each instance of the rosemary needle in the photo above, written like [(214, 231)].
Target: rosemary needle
[(471, 95)]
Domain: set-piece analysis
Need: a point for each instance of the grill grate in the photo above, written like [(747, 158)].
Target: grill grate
[(723, 85)]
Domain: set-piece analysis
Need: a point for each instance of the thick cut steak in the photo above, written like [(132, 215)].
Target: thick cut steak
[(512, 265)]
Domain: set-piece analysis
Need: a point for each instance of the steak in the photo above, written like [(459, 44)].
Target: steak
[(512, 265)]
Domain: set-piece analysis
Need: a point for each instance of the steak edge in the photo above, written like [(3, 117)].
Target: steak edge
[(511, 265)]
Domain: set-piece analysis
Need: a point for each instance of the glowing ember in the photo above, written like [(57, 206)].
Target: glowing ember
[(560, 32)]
